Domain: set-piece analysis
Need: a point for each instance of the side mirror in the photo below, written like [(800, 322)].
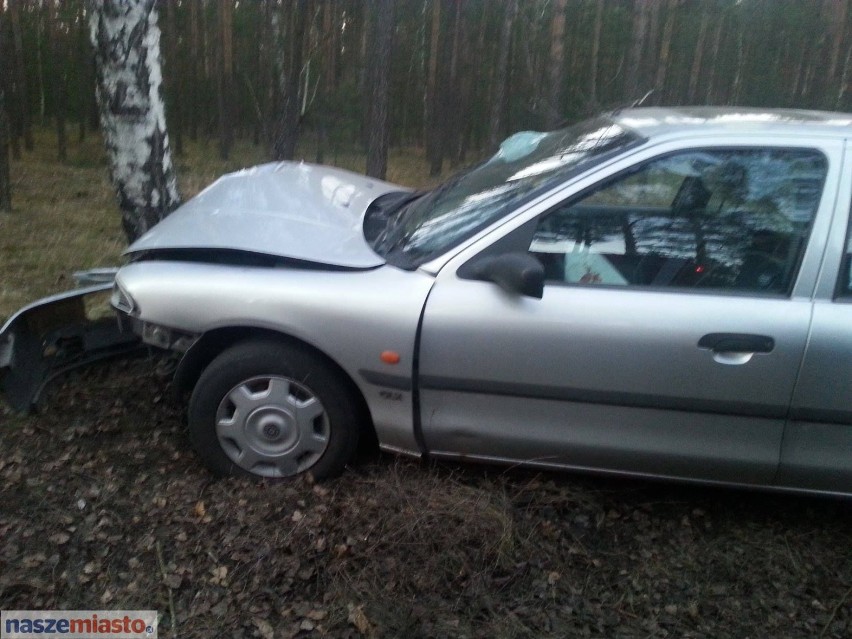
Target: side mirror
[(518, 273)]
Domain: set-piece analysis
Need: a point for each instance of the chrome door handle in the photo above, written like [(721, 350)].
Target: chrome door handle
[(737, 343)]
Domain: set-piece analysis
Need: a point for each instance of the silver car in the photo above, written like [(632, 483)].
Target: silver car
[(656, 292)]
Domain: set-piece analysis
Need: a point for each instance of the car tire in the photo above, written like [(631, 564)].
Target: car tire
[(267, 409)]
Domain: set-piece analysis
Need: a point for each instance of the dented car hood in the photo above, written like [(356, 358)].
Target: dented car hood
[(292, 210)]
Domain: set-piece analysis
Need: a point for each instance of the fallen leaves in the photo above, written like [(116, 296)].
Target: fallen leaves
[(219, 573), (59, 538), (393, 549), (358, 618)]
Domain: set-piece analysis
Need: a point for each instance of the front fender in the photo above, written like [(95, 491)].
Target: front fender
[(52, 336)]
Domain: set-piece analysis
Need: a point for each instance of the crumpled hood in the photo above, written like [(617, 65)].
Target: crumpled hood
[(294, 210)]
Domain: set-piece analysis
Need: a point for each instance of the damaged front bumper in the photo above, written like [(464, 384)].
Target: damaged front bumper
[(56, 334)]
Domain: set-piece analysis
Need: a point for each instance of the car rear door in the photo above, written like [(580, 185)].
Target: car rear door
[(817, 449), (672, 325)]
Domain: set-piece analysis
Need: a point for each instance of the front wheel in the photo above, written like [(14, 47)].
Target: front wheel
[(267, 409)]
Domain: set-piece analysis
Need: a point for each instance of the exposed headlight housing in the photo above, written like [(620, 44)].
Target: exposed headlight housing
[(166, 338), (121, 300)]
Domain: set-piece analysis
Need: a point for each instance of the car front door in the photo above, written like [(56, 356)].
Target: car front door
[(673, 321), (817, 449)]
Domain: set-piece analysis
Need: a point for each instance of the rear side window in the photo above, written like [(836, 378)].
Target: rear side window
[(729, 220), (844, 284)]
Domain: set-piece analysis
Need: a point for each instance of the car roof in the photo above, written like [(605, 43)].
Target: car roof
[(651, 122)]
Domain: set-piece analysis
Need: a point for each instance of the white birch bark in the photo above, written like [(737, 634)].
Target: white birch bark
[(126, 40)]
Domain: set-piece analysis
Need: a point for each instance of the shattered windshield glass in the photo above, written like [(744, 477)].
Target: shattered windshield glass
[(527, 164)]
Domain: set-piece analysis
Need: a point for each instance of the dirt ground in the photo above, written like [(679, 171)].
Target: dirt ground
[(104, 506)]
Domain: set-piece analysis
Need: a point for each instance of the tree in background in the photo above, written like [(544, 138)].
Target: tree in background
[(225, 76), (5, 181), (5, 177), (297, 77), (557, 63), (288, 52), (57, 80), (379, 94), (498, 105), (21, 97), (126, 40)]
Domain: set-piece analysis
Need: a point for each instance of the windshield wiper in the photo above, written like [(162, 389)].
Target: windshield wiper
[(394, 238), (384, 211), (391, 218)]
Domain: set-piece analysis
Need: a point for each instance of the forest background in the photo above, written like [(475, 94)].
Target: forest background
[(462, 73), (104, 505)]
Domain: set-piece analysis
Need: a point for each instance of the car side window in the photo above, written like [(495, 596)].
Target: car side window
[(844, 283), (733, 219)]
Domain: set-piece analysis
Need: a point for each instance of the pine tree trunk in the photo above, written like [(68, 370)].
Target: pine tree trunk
[(500, 78), (173, 76), (709, 96), (741, 58), (225, 77), (84, 86), (195, 67), (665, 49), (378, 126), (56, 63), (557, 64), (844, 80), (434, 137), (695, 73), (452, 127), (838, 11), (5, 181), (633, 81), (23, 101), (126, 39), (596, 47), (7, 80), (286, 128)]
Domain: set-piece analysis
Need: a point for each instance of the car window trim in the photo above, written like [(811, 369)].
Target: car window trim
[(611, 179), (809, 284)]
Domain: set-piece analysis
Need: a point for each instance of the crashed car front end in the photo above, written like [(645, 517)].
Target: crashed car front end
[(55, 334), (275, 215)]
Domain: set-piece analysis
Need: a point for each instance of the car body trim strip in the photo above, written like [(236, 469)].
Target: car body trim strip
[(397, 382), (632, 400), (822, 416)]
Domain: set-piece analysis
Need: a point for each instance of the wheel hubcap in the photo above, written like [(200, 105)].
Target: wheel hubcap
[(272, 426)]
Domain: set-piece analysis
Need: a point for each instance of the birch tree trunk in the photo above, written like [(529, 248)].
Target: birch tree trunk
[(126, 39)]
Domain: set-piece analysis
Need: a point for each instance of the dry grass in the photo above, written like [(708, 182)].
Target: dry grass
[(66, 218)]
